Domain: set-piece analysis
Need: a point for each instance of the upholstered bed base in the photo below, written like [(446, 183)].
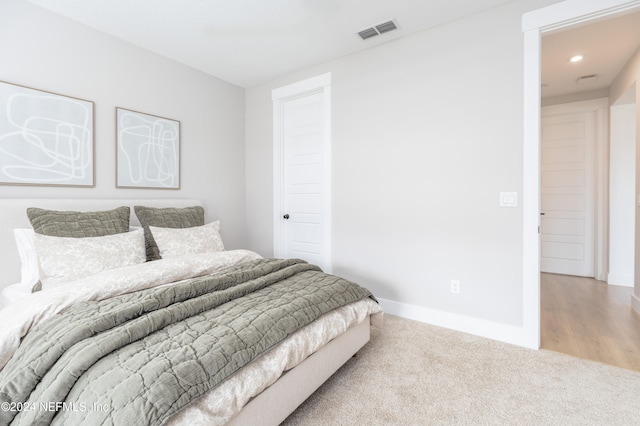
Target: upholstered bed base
[(278, 401)]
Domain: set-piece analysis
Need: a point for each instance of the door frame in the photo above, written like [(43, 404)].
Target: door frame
[(534, 24), (318, 84), (600, 108)]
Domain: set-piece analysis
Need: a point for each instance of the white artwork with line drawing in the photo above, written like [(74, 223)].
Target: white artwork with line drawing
[(45, 138), (148, 150)]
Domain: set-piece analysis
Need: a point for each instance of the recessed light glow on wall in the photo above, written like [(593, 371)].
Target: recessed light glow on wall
[(576, 58)]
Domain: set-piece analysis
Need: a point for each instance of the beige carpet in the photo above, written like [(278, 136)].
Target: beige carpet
[(412, 373)]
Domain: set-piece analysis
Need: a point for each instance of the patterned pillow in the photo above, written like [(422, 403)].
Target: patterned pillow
[(176, 242), (64, 259), (79, 224), (166, 217)]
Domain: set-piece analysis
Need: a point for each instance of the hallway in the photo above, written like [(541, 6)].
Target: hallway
[(589, 319)]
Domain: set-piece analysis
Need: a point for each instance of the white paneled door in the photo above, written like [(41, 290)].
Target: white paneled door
[(567, 187), (302, 193), (303, 127)]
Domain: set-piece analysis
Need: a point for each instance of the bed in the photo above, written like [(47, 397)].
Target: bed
[(142, 341)]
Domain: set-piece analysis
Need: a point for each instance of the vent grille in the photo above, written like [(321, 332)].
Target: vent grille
[(378, 29), (368, 33), (587, 79), (386, 27)]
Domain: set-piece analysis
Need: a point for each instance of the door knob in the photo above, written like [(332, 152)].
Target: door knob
[(286, 216)]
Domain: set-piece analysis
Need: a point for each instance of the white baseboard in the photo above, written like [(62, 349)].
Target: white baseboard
[(479, 327), (635, 303)]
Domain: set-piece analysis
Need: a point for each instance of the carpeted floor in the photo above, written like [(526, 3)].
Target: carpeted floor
[(412, 373)]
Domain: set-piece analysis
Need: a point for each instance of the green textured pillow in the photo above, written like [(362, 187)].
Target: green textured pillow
[(166, 217), (79, 224)]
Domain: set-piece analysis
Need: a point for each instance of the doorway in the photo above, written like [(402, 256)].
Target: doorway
[(535, 23), (580, 316)]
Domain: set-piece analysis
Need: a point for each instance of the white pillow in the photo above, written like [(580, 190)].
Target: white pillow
[(64, 259), (29, 271), (176, 242), (28, 260)]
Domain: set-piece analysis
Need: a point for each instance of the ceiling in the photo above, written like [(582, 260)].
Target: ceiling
[(247, 42), (607, 45)]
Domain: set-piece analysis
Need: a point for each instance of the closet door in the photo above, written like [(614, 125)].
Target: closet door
[(302, 181), (567, 187)]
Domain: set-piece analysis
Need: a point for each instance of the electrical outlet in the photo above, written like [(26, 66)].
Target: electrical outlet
[(455, 286)]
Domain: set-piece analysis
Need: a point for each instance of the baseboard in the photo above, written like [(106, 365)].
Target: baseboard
[(635, 303), (479, 327)]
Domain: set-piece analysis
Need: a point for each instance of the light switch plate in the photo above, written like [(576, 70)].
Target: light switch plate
[(508, 199)]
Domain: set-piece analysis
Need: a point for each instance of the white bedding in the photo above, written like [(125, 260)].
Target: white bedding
[(18, 318), (12, 294)]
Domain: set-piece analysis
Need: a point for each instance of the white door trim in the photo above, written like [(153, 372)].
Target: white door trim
[(560, 15), (321, 83)]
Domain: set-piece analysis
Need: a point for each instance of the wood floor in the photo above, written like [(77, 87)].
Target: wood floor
[(589, 319)]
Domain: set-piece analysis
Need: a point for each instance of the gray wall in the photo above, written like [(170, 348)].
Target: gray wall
[(45, 51), (427, 131)]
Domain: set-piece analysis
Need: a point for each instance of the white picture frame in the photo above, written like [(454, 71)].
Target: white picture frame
[(45, 138), (148, 151)]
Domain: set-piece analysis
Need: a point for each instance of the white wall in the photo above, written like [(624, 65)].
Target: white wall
[(45, 51), (622, 172), (427, 131), (629, 77)]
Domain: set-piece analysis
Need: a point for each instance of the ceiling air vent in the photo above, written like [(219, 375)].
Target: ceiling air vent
[(378, 29), (585, 79)]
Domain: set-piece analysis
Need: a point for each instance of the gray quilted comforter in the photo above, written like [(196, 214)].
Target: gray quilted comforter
[(138, 358)]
